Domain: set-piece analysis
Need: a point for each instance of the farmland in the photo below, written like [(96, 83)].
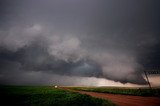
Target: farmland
[(48, 96), (123, 91), (125, 98)]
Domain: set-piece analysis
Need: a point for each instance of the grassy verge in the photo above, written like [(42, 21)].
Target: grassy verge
[(124, 91), (46, 96)]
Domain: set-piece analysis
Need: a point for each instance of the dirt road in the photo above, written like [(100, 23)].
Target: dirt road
[(124, 100)]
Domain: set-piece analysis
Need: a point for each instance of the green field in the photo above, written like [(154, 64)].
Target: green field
[(46, 96), (118, 90)]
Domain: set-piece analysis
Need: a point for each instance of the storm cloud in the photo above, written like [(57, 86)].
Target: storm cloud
[(46, 42)]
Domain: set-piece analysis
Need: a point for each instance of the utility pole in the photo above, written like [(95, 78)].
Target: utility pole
[(147, 80)]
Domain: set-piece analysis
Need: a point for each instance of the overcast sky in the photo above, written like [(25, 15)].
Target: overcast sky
[(78, 42)]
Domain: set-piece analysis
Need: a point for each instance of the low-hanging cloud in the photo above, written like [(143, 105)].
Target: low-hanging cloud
[(65, 55), (73, 47)]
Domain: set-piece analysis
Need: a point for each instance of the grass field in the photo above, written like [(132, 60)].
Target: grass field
[(46, 96), (124, 91)]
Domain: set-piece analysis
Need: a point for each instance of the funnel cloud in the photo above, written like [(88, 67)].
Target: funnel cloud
[(63, 42)]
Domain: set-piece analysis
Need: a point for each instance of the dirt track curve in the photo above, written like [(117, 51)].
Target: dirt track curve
[(123, 100)]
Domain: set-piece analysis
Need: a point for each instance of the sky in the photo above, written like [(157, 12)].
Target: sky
[(79, 42)]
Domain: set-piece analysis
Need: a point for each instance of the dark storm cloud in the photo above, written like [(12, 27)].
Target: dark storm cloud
[(36, 58), (108, 39)]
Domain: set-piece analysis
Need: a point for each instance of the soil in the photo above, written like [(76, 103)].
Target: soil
[(123, 100)]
